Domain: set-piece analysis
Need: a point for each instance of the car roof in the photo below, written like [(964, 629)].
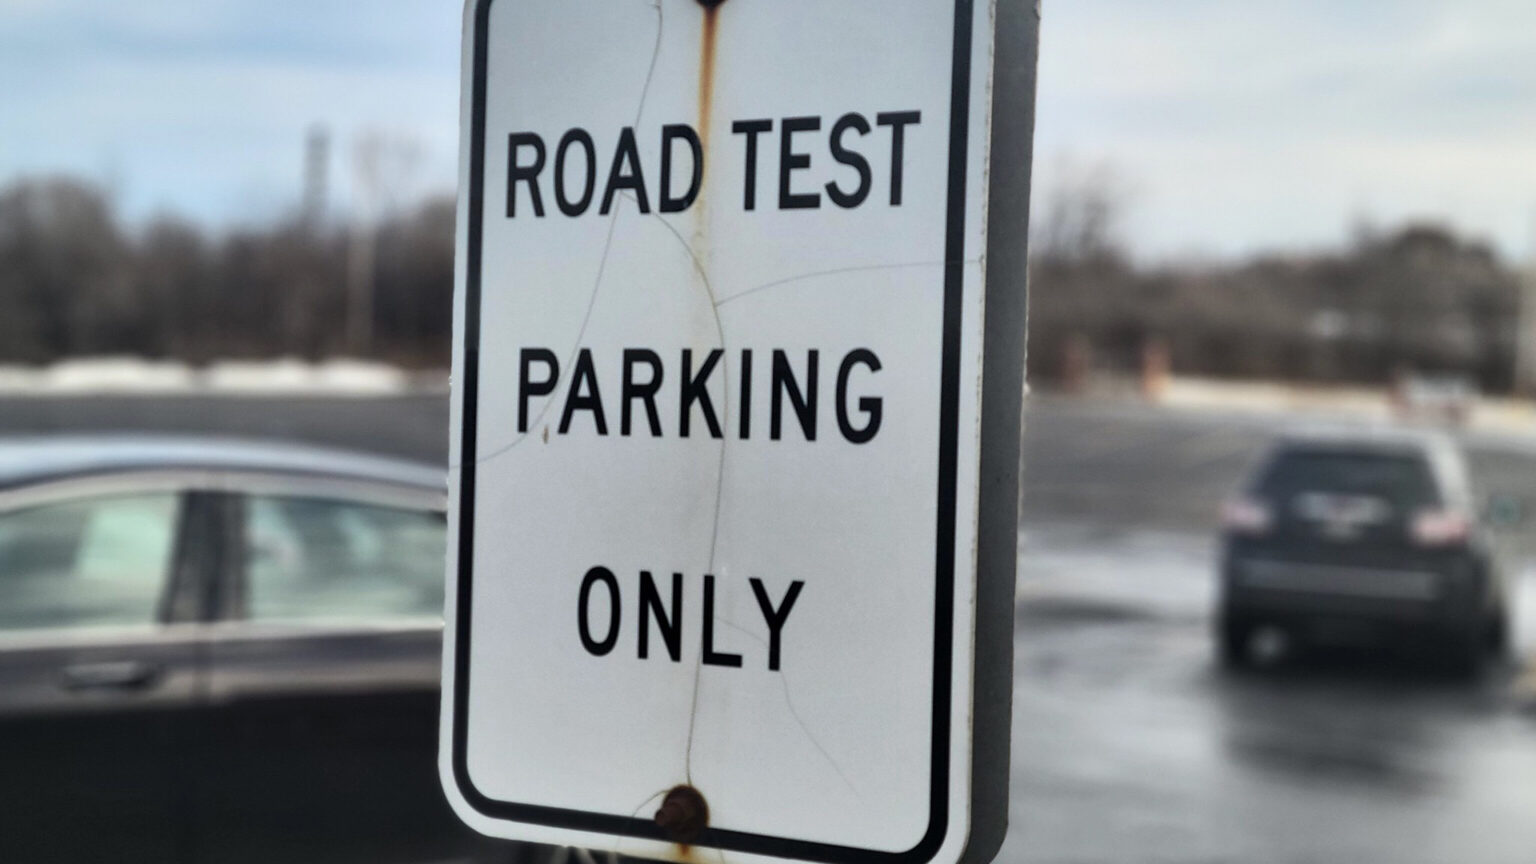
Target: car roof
[(29, 461), (1367, 439), (1444, 456)]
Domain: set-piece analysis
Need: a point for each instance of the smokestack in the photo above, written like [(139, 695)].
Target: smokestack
[(317, 156)]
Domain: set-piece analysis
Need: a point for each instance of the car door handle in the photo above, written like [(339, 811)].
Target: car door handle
[(115, 675)]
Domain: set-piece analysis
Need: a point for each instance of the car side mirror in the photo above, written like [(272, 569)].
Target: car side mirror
[(1503, 511)]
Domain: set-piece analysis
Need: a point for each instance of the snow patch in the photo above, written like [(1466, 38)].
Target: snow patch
[(286, 376)]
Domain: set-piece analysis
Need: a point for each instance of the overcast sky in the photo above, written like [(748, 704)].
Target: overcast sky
[(1232, 125), (201, 106), (1237, 124)]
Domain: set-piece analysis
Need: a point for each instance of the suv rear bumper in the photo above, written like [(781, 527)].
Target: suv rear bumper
[(1446, 595)]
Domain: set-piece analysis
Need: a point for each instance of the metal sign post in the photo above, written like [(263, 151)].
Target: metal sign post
[(739, 337)]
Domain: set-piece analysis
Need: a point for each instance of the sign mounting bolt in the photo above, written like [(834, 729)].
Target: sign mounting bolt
[(683, 815)]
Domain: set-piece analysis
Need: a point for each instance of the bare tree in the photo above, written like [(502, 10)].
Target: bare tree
[(385, 168), (63, 273)]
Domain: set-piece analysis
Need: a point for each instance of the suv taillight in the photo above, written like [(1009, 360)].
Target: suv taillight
[(1439, 528), (1246, 516)]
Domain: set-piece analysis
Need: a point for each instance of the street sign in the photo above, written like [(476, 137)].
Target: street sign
[(733, 506)]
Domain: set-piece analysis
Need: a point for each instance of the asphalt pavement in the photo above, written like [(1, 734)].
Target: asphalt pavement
[(411, 426), (1129, 744)]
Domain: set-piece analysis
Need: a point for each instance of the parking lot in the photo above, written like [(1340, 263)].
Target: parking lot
[(1129, 744)]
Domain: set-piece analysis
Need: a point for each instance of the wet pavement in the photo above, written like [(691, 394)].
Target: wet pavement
[(1130, 745)]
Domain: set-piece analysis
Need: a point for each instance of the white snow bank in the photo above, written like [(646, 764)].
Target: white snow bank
[(286, 376)]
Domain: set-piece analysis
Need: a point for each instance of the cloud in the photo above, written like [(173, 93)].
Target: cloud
[(1248, 125), (202, 108), (1240, 125)]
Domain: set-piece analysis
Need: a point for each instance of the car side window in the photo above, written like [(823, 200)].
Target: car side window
[(317, 558), (87, 563)]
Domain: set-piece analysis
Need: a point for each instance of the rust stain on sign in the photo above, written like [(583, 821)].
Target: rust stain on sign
[(707, 68), (708, 38)]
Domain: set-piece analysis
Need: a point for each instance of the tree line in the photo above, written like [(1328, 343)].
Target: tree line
[(1416, 300), (74, 281)]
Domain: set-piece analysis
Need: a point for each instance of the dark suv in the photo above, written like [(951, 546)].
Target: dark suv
[(1349, 536)]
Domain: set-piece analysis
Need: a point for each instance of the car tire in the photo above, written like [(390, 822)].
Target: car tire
[(1465, 652), (1232, 639), (1498, 633)]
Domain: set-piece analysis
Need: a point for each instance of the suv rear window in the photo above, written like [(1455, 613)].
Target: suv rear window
[(1403, 480)]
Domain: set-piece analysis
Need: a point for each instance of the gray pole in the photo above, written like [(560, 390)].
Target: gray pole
[(1010, 160)]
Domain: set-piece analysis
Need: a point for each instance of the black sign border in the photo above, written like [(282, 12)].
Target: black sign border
[(949, 393)]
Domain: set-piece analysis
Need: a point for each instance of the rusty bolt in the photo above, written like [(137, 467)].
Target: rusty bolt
[(683, 815), (710, 3)]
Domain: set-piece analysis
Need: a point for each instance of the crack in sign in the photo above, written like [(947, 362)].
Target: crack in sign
[(714, 537), (794, 712), (838, 271), (602, 264)]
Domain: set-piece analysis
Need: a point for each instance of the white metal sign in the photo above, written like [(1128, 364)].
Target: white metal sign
[(716, 425)]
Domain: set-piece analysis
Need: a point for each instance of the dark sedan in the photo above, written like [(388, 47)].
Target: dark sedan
[(222, 652), (1362, 536)]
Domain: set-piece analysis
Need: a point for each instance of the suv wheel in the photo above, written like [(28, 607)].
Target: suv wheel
[(1232, 639), (1498, 632), (1464, 652)]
